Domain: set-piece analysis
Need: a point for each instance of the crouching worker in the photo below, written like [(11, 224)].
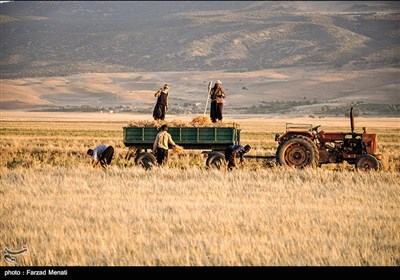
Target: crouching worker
[(234, 151), (102, 154), (160, 146)]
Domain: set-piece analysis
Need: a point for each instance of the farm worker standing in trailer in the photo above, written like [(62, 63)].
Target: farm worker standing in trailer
[(162, 103), (103, 154), (160, 146), (216, 95), (234, 151)]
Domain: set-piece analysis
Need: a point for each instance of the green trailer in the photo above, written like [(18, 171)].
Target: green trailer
[(211, 140)]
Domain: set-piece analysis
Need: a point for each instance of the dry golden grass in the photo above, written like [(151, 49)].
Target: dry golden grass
[(80, 216), (70, 214)]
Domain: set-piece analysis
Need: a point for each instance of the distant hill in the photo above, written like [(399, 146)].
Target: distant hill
[(63, 38)]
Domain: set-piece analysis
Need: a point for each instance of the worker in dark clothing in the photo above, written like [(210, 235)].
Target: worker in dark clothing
[(216, 95), (162, 103), (102, 154), (234, 151)]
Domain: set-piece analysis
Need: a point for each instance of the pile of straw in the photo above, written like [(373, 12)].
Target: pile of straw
[(146, 123), (178, 150), (199, 121), (177, 123)]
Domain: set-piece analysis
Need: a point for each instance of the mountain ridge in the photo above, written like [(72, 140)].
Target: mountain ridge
[(42, 39)]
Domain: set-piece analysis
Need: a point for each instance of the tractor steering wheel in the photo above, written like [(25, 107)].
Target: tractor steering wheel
[(315, 128)]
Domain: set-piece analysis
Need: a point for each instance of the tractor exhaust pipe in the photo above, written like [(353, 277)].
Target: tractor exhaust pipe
[(352, 120)]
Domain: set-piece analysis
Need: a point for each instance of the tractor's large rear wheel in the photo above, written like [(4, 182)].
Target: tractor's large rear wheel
[(298, 152), (367, 163)]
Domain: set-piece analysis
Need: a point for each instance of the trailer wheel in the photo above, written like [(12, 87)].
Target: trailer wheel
[(146, 160), (367, 163), (297, 152), (215, 160), (382, 167)]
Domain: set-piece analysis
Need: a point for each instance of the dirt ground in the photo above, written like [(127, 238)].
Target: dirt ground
[(244, 89)]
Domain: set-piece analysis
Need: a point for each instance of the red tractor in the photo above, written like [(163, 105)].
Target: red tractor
[(304, 146)]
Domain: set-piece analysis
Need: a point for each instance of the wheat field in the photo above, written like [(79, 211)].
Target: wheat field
[(68, 213)]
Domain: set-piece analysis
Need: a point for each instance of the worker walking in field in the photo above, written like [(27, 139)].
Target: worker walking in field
[(160, 146), (217, 94), (102, 154), (234, 151), (162, 103)]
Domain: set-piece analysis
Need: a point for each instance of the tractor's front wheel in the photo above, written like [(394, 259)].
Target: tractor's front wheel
[(367, 163), (297, 152)]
